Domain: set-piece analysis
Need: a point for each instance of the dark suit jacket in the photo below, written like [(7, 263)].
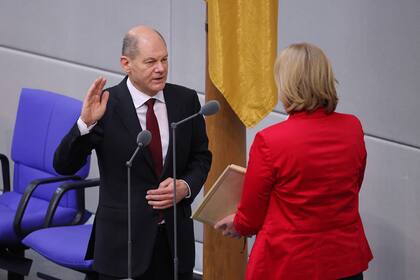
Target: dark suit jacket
[(114, 139)]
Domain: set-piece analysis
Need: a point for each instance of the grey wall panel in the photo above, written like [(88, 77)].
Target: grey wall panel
[(198, 226), (269, 120), (390, 209), (188, 43), (86, 32), (198, 257), (373, 46)]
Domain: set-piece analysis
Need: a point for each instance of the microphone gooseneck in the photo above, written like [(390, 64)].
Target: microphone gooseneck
[(208, 109)]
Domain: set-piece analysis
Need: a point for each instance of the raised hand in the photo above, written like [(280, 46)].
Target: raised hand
[(162, 197), (94, 104)]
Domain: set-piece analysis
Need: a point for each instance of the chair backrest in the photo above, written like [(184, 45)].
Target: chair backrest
[(42, 120)]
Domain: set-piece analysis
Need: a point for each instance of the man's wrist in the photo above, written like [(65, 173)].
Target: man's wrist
[(83, 127), (188, 188)]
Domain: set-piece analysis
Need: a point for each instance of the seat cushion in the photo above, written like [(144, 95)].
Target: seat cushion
[(65, 245), (33, 218)]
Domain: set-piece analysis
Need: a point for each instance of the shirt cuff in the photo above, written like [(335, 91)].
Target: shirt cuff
[(83, 128), (189, 189)]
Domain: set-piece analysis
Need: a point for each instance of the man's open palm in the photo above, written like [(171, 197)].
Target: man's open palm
[(94, 105)]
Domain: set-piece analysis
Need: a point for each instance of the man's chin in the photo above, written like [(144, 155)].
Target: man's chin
[(159, 86)]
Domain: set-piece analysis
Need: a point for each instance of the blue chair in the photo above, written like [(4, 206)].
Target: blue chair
[(43, 118), (63, 245)]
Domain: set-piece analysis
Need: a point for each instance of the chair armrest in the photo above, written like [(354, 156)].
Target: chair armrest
[(60, 191), (5, 168), (17, 223)]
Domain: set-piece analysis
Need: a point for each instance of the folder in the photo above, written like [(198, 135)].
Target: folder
[(223, 197)]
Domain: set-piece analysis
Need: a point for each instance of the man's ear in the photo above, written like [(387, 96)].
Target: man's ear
[(125, 64)]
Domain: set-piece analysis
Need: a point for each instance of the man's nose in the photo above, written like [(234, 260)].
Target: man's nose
[(159, 67)]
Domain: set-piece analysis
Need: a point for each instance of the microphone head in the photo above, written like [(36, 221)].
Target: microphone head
[(210, 108), (143, 138)]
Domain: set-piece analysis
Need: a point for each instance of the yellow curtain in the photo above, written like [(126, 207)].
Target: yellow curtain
[(242, 48)]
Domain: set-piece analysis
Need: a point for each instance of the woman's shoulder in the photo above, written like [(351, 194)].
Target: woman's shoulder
[(348, 118), (276, 130)]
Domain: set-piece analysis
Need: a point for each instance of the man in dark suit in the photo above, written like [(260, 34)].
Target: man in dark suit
[(109, 123)]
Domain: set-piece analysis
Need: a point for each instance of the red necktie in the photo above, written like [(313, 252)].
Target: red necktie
[(155, 145)]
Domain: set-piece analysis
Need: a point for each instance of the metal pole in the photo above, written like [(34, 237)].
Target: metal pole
[(129, 245), (173, 125)]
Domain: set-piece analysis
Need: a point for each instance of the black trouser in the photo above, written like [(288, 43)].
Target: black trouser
[(354, 277), (161, 266)]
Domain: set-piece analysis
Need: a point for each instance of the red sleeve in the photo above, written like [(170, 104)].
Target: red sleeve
[(258, 183), (362, 169)]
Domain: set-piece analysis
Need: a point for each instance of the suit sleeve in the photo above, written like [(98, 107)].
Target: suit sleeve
[(200, 157), (73, 151), (258, 184)]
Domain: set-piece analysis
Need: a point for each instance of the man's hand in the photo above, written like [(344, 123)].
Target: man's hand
[(161, 198), (94, 104), (226, 226)]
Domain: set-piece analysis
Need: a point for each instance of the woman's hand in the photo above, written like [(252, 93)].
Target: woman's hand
[(226, 226)]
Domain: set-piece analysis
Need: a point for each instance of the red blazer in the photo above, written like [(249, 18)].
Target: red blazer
[(301, 199)]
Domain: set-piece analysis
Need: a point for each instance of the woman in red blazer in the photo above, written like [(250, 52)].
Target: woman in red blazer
[(301, 189)]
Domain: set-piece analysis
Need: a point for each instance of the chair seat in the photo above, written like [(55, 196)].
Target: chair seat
[(33, 218), (72, 241)]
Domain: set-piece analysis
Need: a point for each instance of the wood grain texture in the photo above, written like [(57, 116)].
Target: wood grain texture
[(224, 258)]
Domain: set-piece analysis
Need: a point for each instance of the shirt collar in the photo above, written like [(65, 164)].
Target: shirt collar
[(139, 98)]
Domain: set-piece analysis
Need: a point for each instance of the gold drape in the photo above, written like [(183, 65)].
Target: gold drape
[(242, 48)]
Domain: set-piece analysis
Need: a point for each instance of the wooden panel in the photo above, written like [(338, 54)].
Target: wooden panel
[(224, 258)]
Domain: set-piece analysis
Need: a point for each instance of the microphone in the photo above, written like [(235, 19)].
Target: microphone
[(143, 139), (208, 109)]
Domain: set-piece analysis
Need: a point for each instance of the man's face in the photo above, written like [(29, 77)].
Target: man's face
[(148, 70)]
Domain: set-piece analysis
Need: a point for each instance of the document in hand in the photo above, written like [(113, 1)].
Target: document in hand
[(223, 197)]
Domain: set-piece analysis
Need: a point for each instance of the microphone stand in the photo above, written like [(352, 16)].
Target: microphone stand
[(174, 125), (143, 139), (210, 108), (129, 245)]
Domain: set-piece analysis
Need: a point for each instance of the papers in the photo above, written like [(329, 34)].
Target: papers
[(223, 197)]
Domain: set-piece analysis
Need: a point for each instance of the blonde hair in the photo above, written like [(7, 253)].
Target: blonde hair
[(305, 79)]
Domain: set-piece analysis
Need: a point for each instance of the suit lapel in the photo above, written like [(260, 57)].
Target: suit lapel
[(128, 115)]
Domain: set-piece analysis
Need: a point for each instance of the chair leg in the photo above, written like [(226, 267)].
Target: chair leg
[(91, 276), (16, 264), (14, 276), (46, 276)]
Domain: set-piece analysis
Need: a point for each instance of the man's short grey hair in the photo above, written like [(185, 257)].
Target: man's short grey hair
[(130, 48)]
